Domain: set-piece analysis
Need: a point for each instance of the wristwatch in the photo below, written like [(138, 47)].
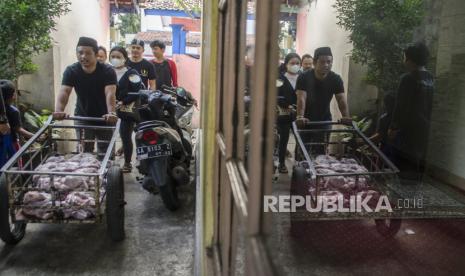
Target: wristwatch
[(300, 117)]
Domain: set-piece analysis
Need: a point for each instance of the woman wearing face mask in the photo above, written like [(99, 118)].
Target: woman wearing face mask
[(118, 58), (286, 99)]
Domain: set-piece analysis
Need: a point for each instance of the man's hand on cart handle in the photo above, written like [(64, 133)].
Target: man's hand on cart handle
[(301, 121), (59, 115), (110, 118), (5, 128)]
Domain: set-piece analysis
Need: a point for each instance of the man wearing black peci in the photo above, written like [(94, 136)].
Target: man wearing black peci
[(315, 90), (95, 86)]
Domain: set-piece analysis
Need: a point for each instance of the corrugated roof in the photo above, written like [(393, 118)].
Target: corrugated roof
[(171, 4)]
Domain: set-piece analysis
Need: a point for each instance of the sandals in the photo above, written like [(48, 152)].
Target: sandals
[(127, 168)]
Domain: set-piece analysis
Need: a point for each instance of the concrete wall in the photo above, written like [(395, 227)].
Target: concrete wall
[(447, 143), (188, 74), (86, 18), (302, 31), (317, 27), (189, 78), (154, 22)]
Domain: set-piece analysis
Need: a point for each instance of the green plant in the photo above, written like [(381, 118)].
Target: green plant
[(364, 125), (190, 7), (130, 23), (25, 31), (379, 30)]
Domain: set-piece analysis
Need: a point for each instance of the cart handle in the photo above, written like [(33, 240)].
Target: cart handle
[(324, 123), (83, 118)]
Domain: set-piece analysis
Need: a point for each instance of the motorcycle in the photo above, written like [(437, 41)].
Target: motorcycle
[(163, 141)]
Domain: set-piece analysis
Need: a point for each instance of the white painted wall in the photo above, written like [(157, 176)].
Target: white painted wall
[(447, 138), (317, 27), (86, 18), (154, 22)]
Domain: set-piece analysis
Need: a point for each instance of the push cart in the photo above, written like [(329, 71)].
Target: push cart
[(19, 176), (406, 199)]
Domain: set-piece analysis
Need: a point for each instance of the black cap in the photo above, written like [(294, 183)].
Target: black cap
[(139, 42), (322, 51), (8, 89), (89, 42)]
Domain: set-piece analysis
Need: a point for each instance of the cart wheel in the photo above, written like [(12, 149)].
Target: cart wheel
[(169, 194), (115, 203), (299, 181), (298, 187), (388, 228), (10, 233)]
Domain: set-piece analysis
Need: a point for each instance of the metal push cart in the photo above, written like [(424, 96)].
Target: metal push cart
[(408, 199), (18, 173)]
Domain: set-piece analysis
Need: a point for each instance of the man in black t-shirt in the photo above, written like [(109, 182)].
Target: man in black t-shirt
[(95, 86), (411, 120), (144, 67), (315, 90)]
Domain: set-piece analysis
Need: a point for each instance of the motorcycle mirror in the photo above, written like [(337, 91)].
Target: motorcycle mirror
[(181, 92), (134, 78)]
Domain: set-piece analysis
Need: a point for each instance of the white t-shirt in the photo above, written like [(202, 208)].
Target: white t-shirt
[(120, 72), (292, 79)]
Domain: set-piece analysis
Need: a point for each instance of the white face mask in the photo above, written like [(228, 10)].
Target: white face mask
[(294, 69), (117, 62)]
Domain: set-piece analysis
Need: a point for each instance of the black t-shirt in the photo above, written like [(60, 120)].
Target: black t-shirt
[(319, 94), (163, 73), (145, 69), (287, 91), (90, 88), (14, 119), (412, 114)]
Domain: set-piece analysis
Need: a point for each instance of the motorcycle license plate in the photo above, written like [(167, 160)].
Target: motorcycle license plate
[(153, 151)]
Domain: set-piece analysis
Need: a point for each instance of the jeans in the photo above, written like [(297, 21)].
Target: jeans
[(92, 134), (125, 131), (284, 129)]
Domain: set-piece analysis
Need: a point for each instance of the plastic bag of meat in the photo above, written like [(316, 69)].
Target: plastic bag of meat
[(325, 159), (80, 163), (80, 199), (79, 205), (72, 183), (36, 204)]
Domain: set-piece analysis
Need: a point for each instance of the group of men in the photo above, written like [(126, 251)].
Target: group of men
[(405, 134), (403, 129), (95, 82)]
